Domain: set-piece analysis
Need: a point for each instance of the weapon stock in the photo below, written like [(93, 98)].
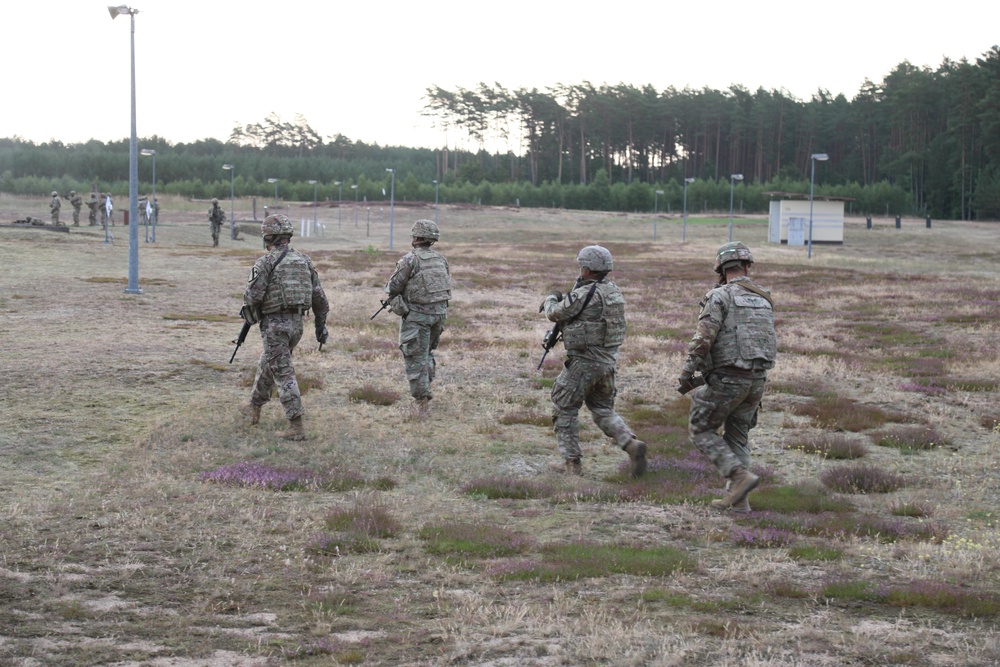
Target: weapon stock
[(242, 338)]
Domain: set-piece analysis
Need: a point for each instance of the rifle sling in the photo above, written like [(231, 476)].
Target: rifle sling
[(756, 290), (586, 301)]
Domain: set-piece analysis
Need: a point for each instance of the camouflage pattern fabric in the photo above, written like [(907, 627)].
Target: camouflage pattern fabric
[(280, 333), (583, 381), (216, 217), (77, 202), (419, 335), (54, 207), (102, 205), (730, 401), (92, 204)]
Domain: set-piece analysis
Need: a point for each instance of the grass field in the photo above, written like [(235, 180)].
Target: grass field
[(143, 522)]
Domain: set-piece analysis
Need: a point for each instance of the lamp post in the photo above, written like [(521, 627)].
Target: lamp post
[(685, 225), (133, 170), (355, 188), (340, 198), (150, 151), (392, 202), (656, 208), (232, 199), (313, 183), (436, 184), (822, 157), (275, 181), (732, 187)]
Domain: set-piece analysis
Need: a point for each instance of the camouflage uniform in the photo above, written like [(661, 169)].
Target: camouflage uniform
[(216, 216), (420, 289), (592, 332), (279, 293), (102, 205), (733, 347), (77, 202), (54, 207), (156, 211), (92, 204)]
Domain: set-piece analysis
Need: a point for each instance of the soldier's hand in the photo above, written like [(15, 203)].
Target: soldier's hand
[(684, 384), (555, 295), (321, 333)]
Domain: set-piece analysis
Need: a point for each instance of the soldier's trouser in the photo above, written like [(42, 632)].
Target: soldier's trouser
[(419, 335), (280, 333), (731, 401), (76, 217), (92, 217), (585, 382), (55, 217)]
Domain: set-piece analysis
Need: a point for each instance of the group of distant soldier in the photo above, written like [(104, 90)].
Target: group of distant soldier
[(99, 204), (725, 372)]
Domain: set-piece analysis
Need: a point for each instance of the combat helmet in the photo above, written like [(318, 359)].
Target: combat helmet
[(425, 229), (730, 254), (596, 258), (72, 192), (276, 225), (214, 200), (55, 194)]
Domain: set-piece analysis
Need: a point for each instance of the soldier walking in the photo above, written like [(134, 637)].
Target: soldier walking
[(283, 285), (216, 217), (92, 204), (419, 291), (592, 316), (734, 347)]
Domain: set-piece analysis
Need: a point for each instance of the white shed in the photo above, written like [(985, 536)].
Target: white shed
[(789, 219)]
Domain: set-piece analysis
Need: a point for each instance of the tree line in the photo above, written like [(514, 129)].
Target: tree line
[(923, 141)]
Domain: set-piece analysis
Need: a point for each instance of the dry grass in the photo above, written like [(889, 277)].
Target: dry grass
[(446, 540)]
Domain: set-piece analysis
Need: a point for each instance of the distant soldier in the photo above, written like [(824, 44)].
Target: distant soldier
[(77, 202), (92, 204), (102, 205), (156, 211), (54, 207), (216, 217)]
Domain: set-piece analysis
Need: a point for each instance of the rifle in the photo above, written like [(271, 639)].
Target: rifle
[(554, 335), (385, 304), (242, 337)]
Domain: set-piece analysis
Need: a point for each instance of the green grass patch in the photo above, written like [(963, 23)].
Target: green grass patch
[(814, 553), (807, 498), (579, 560), (463, 541)]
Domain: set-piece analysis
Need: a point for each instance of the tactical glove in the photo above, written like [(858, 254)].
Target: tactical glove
[(684, 384), (321, 333)]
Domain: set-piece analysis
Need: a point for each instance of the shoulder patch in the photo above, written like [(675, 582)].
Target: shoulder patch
[(254, 274)]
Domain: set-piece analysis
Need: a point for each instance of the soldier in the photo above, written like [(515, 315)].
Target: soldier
[(54, 207), (592, 316), (733, 347), (283, 285), (216, 217), (156, 212), (77, 202), (419, 291), (103, 207), (92, 204)]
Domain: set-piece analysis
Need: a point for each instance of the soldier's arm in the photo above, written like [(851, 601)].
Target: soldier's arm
[(320, 304), (397, 281), (570, 306), (709, 322), (253, 295)]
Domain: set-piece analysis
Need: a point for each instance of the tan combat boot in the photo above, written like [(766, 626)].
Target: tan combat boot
[(252, 411), (742, 507), (569, 467), (296, 430), (636, 450), (743, 482)]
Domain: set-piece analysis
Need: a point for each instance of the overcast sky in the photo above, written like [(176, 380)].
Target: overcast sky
[(362, 68)]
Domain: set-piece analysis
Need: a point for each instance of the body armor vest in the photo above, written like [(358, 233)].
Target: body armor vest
[(430, 282), (290, 285), (601, 323), (747, 333)]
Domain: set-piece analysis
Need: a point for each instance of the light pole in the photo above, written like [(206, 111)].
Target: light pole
[(392, 203), (822, 157), (685, 225), (732, 187), (355, 188), (232, 199), (340, 198), (313, 183), (436, 201), (133, 171), (150, 151), (656, 207), (275, 181)]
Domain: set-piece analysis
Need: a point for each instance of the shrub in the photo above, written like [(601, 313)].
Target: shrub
[(911, 509), (861, 479), (837, 413), (761, 538), (369, 393), (831, 445), (909, 438)]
